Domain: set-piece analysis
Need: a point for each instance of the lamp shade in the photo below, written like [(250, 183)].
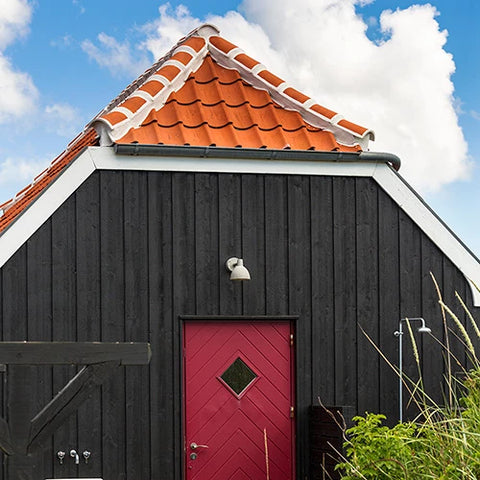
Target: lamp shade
[(239, 271)]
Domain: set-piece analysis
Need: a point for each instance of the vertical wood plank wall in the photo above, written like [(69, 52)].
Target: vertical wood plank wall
[(131, 251)]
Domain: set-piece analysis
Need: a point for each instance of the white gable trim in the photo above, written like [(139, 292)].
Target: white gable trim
[(104, 158), (45, 205)]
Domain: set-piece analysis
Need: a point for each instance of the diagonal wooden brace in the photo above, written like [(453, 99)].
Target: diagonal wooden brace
[(67, 401)]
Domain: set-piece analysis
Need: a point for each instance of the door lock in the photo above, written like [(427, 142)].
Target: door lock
[(193, 456)]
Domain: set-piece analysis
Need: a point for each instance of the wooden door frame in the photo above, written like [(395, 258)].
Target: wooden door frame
[(292, 319)]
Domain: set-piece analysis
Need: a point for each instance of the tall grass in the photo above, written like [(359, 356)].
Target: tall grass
[(443, 441)]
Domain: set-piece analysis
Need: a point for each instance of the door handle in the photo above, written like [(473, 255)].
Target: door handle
[(194, 446)]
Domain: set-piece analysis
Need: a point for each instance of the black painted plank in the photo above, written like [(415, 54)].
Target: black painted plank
[(230, 241), (88, 259), (19, 379), (88, 315), (344, 253), (113, 319), (6, 443), (253, 243), (432, 352), (2, 374), (160, 242), (368, 360), (206, 243), (15, 304), (64, 314), (410, 299), (40, 287), (299, 288), (323, 320), (276, 245), (185, 295), (136, 322), (389, 301), (40, 284)]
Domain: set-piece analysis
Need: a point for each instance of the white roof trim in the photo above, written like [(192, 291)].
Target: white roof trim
[(45, 205), (104, 158)]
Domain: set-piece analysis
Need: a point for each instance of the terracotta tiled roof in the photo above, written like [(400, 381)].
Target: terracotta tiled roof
[(207, 91), (12, 208), (215, 107)]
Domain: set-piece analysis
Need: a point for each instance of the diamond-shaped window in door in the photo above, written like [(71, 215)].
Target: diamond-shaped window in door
[(238, 376)]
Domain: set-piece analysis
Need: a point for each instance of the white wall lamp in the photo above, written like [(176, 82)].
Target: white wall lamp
[(239, 271), (399, 334)]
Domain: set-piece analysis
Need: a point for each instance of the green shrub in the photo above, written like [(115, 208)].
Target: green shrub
[(379, 452)]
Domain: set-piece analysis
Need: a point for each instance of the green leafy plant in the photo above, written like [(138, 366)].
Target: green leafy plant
[(376, 451)]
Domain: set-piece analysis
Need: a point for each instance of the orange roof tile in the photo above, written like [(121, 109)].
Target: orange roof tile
[(206, 91), (207, 83), (15, 206), (216, 107)]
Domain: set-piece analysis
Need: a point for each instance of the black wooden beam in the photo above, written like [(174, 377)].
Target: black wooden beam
[(241, 318), (73, 353), (67, 401)]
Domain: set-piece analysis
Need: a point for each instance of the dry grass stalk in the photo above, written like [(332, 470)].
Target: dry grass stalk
[(267, 466), (448, 377)]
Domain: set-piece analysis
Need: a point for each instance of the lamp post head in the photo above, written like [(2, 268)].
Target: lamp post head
[(422, 329)]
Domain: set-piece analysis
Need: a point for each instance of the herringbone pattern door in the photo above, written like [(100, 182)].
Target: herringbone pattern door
[(238, 386)]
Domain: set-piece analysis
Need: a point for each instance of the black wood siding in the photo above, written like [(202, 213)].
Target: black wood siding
[(131, 251)]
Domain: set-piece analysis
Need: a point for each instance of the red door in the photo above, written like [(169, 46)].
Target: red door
[(239, 400)]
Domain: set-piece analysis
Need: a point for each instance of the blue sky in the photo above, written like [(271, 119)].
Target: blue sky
[(400, 74)]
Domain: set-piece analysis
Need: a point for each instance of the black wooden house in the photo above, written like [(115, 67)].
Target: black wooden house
[(208, 156)]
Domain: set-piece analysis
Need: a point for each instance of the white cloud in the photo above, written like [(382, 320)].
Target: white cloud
[(62, 119), (164, 32), (399, 86), (62, 42), (15, 16), (116, 56), (80, 6), (19, 171), (19, 94)]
